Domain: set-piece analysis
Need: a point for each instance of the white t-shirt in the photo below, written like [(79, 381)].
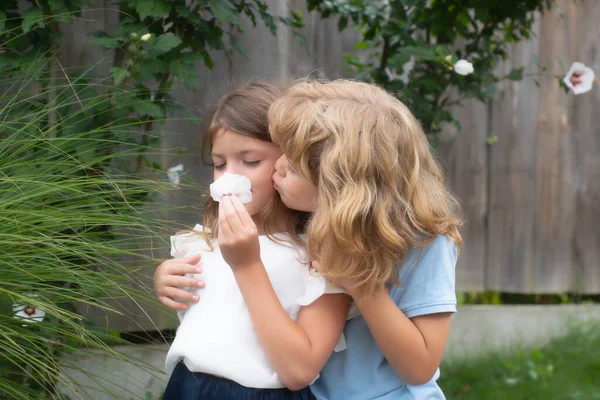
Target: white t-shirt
[(216, 335)]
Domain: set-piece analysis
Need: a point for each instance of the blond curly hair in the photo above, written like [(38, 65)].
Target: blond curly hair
[(380, 190)]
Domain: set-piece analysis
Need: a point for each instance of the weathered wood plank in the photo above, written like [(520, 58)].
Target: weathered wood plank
[(584, 120), (554, 206), (463, 154), (511, 189)]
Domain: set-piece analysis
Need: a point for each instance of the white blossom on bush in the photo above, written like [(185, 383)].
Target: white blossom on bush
[(28, 313), (146, 37), (580, 78), (463, 67)]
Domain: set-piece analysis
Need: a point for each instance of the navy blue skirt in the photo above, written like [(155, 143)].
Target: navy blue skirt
[(187, 385)]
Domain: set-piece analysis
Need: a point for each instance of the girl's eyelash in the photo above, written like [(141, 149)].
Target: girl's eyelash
[(219, 167)]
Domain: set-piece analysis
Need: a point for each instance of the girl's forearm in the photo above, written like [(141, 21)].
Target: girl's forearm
[(400, 340), (288, 348)]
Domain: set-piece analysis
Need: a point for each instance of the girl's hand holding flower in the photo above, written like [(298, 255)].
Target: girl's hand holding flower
[(238, 235)]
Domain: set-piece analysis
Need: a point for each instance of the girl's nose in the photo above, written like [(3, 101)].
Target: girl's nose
[(232, 168)]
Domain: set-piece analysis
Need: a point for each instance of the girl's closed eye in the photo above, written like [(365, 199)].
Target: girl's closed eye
[(252, 163), (219, 167)]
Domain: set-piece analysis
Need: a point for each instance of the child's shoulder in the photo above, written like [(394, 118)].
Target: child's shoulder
[(427, 279), (439, 253)]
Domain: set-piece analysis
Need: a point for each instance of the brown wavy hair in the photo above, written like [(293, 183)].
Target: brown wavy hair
[(244, 111), (379, 189)]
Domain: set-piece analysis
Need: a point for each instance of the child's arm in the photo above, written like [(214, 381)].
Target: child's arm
[(411, 328), (414, 347), (297, 351)]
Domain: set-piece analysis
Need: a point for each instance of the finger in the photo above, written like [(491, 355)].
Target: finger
[(172, 304), (225, 231), (232, 216), (177, 268), (195, 259), (181, 295), (177, 281), (245, 218)]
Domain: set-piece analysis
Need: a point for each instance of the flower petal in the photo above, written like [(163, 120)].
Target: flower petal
[(231, 184), (463, 67)]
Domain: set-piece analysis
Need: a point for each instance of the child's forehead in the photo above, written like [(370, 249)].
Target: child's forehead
[(228, 142)]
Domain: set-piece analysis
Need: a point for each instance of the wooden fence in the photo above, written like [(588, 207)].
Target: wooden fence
[(531, 200)]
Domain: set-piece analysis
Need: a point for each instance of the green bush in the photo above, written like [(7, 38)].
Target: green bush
[(411, 47)]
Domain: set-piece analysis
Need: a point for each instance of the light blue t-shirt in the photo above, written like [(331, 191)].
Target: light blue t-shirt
[(361, 372)]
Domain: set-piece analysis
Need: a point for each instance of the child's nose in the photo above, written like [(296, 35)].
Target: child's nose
[(233, 168)]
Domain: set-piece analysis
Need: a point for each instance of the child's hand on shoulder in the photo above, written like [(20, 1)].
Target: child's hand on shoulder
[(238, 235), (172, 276)]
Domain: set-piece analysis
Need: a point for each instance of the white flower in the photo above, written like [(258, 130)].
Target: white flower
[(146, 37), (174, 173), (579, 78), (463, 67), (231, 184), (28, 313)]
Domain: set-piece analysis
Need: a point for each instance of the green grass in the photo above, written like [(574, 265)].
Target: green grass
[(568, 368)]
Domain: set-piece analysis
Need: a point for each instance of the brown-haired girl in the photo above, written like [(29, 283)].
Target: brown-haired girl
[(266, 325)]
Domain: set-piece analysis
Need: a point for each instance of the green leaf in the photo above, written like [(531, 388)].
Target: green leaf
[(207, 59), (237, 45), (161, 8), (144, 8), (148, 108), (419, 52), (492, 140), (187, 73), (222, 12), (2, 20), (106, 42), (302, 40), (147, 70), (163, 44), (362, 45), (342, 23), (152, 8), (119, 74), (32, 17), (515, 74)]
